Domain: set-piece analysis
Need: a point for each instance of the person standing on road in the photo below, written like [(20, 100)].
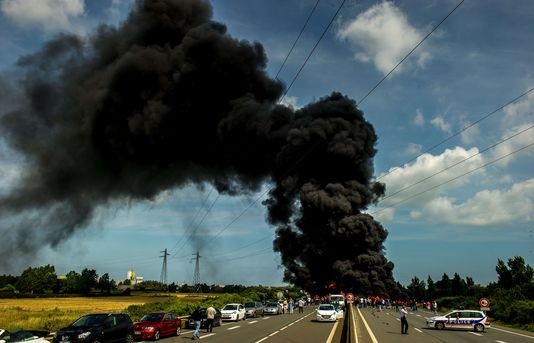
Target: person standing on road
[(210, 317), (197, 317), (404, 320), (301, 306)]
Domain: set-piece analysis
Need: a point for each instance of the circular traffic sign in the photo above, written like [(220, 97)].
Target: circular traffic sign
[(484, 302)]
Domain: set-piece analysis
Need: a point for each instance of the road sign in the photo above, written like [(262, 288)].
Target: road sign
[(484, 302), (350, 298)]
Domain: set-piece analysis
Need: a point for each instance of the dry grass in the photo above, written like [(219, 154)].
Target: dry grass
[(53, 313)]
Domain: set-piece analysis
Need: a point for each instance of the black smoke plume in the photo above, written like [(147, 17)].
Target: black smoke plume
[(169, 99)]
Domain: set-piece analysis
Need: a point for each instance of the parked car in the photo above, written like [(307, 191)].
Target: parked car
[(98, 327), (272, 307), (157, 324), (460, 320), (326, 313), (233, 312), (22, 336), (253, 309), (216, 321)]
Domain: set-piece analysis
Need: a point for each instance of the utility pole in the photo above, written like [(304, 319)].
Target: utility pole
[(196, 277), (163, 277)]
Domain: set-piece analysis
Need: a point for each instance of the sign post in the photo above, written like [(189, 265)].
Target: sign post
[(484, 304)]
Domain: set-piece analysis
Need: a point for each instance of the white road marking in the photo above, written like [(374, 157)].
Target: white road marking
[(252, 322), (233, 327), (416, 329), (373, 338), (500, 342), (274, 333), (204, 336), (514, 333), (331, 336), (476, 334)]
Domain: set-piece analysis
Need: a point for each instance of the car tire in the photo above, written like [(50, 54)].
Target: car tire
[(157, 335), (440, 326), (178, 331), (219, 322), (479, 328), (129, 338)]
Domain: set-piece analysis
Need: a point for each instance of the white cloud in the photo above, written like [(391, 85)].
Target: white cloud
[(486, 208), (413, 149), (385, 36), (440, 123), (419, 119), (520, 112), (50, 15), (521, 140), (470, 135), (399, 181)]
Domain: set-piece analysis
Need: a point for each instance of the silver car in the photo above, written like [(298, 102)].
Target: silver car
[(272, 308), (254, 309)]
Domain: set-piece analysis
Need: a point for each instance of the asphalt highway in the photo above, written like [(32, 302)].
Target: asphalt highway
[(371, 325)]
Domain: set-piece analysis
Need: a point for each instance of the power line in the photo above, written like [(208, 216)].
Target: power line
[(298, 37), (453, 179), (312, 51), (459, 132), (411, 51), (457, 163)]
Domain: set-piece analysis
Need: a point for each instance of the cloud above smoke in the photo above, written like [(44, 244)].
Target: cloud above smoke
[(383, 35)]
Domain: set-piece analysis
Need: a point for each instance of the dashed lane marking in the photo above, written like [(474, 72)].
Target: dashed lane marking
[(233, 327)]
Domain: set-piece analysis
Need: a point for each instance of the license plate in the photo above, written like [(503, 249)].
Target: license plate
[(137, 332)]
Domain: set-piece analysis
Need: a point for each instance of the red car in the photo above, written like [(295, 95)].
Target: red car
[(157, 324)]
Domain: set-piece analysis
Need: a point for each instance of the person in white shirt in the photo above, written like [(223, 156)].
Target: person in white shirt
[(404, 320)]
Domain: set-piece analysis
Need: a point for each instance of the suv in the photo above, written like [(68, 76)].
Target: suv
[(460, 320), (253, 309), (98, 328)]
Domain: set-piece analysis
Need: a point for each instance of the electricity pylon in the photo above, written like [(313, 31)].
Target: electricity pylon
[(163, 277), (196, 277)]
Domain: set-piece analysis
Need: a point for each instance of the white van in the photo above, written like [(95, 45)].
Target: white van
[(338, 299)]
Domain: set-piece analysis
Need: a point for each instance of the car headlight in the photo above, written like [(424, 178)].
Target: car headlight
[(149, 328), (84, 335)]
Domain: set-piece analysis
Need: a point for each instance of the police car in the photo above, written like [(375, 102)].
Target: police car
[(460, 320)]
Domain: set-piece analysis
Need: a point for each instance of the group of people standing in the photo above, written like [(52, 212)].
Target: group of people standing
[(197, 317)]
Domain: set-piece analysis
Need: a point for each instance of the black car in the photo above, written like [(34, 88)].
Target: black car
[(98, 328), (216, 321)]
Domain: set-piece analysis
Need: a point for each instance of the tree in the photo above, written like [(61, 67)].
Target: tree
[(416, 289), (37, 280), (458, 286), (88, 280), (430, 289), (71, 283), (517, 273), (105, 283), (443, 286)]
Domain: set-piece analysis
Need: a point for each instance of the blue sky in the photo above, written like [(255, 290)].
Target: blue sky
[(441, 219)]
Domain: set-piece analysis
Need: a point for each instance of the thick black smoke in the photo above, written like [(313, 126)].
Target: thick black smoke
[(168, 99)]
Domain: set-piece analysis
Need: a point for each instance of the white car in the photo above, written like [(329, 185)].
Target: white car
[(20, 336), (326, 313), (460, 320), (233, 312)]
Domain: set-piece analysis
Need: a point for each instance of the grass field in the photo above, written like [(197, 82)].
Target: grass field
[(53, 313)]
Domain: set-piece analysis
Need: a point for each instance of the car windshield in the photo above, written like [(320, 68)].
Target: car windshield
[(326, 308), (90, 320), (230, 307), (272, 304), (250, 305), (152, 317)]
